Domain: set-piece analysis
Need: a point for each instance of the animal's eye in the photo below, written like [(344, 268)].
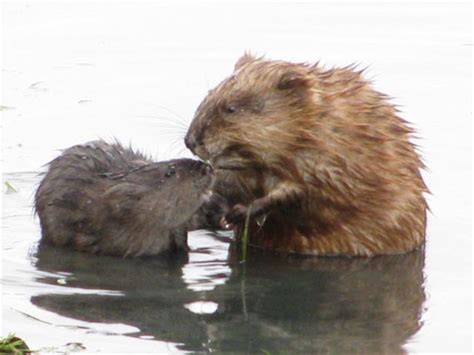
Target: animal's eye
[(231, 109), (170, 173)]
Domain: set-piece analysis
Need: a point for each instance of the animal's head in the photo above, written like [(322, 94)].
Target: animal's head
[(175, 189), (246, 119)]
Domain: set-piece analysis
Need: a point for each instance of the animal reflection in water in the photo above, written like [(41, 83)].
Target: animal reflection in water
[(272, 303)]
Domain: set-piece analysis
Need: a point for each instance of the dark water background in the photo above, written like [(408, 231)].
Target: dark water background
[(73, 73)]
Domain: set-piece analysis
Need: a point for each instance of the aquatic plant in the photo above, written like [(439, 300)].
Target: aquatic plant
[(13, 345)]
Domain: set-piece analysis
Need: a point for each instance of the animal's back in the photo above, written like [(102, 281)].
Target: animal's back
[(68, 200)]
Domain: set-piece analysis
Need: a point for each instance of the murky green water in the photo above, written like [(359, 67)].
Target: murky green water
[(73, 73)]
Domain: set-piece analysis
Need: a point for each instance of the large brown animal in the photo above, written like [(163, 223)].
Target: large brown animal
[(320, 160)]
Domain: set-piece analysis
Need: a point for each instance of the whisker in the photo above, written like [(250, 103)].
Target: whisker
[(169, 131), (172, 147), (181, 119), (167, 120)]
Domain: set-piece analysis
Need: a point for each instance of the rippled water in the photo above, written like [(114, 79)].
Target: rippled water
[(211, 301), (137, 72)]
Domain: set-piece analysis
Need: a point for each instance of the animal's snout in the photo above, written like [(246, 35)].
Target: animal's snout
[(203, 168), (194, 141), (190, 142), (207, 169)]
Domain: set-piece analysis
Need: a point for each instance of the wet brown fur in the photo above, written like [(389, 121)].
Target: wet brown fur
[(340, 175)]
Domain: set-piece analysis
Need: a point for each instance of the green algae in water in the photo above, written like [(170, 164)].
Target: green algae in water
[(10, 188), (5, 108), (13, 345)]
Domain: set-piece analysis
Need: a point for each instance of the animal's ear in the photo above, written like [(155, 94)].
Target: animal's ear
[(293, 80), (244, 60)]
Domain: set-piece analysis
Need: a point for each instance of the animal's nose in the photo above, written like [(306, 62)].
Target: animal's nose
[(190, 142), (208, 169)]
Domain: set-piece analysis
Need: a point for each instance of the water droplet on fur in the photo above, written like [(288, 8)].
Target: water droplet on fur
[(261, 220)]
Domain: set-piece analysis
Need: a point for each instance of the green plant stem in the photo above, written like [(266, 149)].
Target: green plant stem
[(245, 235)]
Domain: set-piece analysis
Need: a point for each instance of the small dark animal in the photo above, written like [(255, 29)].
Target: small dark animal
[(105, 199)]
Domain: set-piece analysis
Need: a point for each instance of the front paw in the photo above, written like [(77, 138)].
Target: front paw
[(237, 215)]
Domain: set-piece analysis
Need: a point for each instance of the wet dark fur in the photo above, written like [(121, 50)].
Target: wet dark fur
[(106, 199)]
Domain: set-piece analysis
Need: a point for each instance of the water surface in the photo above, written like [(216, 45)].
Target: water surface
[(137, 72)]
